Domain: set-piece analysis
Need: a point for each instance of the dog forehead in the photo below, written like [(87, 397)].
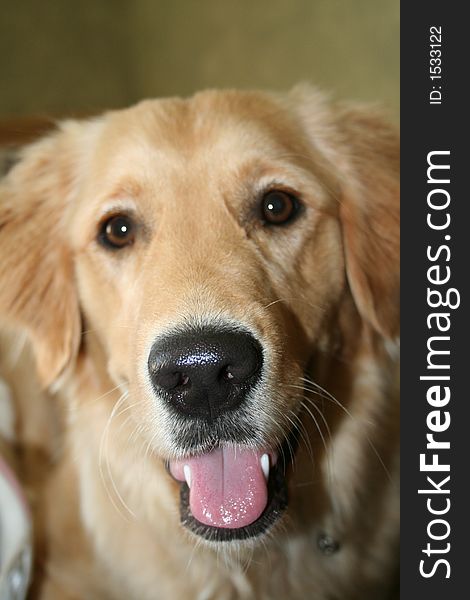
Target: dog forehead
[(208, 130)]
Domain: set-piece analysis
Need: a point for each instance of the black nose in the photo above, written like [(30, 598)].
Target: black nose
[(205, 373)]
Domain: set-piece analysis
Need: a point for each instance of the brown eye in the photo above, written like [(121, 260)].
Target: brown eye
[(117, 232), (278, 207)]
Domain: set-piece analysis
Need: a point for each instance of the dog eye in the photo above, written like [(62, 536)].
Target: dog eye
[(117, 232), (279, 207)]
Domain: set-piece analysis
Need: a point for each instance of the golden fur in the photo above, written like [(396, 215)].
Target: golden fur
[(321, 295)]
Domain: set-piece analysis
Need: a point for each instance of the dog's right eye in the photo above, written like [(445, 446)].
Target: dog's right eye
[(117, 232)]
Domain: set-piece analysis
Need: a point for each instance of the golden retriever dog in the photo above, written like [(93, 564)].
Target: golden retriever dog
[(209, 290)]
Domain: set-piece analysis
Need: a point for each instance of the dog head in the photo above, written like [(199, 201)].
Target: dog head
[(201, 255)]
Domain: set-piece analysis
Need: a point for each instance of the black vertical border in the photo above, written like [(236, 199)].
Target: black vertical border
[(425, 128)]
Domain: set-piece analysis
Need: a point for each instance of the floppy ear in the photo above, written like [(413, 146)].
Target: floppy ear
[(370, 217), (37, 291), (364, 152)]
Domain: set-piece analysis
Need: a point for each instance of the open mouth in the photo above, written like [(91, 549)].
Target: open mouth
[(232, 492)]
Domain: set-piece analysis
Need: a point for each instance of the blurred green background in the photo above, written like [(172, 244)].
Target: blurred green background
[(64, 57)]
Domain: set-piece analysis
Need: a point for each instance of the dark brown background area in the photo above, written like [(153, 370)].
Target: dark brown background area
[(65, 57)]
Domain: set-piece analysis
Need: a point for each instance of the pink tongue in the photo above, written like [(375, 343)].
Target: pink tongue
[(228, 487)]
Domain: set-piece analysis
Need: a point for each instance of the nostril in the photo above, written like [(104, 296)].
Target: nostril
[(170, 380), (226, 373), (242, 372)]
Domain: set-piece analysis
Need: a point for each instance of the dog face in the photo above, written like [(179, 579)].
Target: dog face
[(211, 248)]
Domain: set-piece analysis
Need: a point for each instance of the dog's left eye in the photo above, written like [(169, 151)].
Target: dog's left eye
[(117, 232), (279, 207)]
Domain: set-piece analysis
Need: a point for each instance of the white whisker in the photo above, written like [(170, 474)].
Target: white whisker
[(104, 454)]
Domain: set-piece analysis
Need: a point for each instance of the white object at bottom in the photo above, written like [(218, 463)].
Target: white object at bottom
[(15, 538)]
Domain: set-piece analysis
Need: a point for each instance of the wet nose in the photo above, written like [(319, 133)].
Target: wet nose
[(204, 374)]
